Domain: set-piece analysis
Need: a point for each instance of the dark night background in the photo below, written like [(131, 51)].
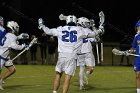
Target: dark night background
[(121, 15)]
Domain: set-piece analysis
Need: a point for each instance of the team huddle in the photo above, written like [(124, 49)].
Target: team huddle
[(74, 48)]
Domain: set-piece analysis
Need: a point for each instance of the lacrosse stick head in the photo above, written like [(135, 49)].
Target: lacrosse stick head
[(62, 17), (117, 52), (102, 18), (101, 13), (33, 42)]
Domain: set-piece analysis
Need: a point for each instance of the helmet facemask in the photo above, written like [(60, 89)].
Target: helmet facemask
[(84, 22), (13, 26)]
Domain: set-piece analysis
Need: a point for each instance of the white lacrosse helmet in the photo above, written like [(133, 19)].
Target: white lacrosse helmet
[(13, 26), (71, 19), (84, 22)]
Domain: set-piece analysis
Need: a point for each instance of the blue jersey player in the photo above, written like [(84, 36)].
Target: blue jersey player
[(136, 48)]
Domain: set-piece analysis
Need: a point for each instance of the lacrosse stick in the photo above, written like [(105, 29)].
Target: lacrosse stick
[(62, 17), (101, 22), (126, 53), (97, 51), (102, 52), (31, 43), (92, 24), (102, 18)]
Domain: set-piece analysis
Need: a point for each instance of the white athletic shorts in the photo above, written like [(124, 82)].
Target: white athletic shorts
[(5, 63), (86, 59), (66, 63)]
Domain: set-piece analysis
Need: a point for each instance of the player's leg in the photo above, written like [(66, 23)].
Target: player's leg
[(81, 78), (137, 71), (81, 64), (11, 69), (138, 81), (57, 82), (70, 67), (1, 88), (66, 83), (90, 63), (90, 71), (59, 71), (1, 80)]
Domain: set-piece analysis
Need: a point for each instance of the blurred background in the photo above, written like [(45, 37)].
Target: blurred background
[(121, 17)]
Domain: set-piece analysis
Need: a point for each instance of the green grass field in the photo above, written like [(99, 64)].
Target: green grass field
[(39, 79)]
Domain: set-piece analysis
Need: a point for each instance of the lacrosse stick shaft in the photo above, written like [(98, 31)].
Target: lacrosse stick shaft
[(102, 52), (97, 51), (19, 54), (31, 43), (134, 55)]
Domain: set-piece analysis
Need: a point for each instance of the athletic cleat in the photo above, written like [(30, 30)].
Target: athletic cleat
[(82, 88), (85, 79), (3, 82), (1, 88)]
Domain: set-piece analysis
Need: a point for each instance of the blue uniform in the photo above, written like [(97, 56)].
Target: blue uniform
[(136, 45), (2, 34)]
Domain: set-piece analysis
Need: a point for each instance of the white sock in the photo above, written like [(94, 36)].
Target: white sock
[(81, 73), (138, 90), (88, 73), (54, 91)]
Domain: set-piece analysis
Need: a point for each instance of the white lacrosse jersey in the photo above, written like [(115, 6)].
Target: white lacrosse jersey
[(86, 46), (9, 41), (69, 38)]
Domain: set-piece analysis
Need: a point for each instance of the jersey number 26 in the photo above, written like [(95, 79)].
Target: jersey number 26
[(69, 36)]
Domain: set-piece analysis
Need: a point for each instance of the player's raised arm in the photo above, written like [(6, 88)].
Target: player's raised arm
[(43, 27), (96, 32)]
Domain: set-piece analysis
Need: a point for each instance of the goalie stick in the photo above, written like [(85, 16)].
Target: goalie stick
[(31, 43), (126, 53)]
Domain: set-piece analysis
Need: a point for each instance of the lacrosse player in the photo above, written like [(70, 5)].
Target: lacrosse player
[(8, 41), (85, 57), (136, 48), (69, 44)]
